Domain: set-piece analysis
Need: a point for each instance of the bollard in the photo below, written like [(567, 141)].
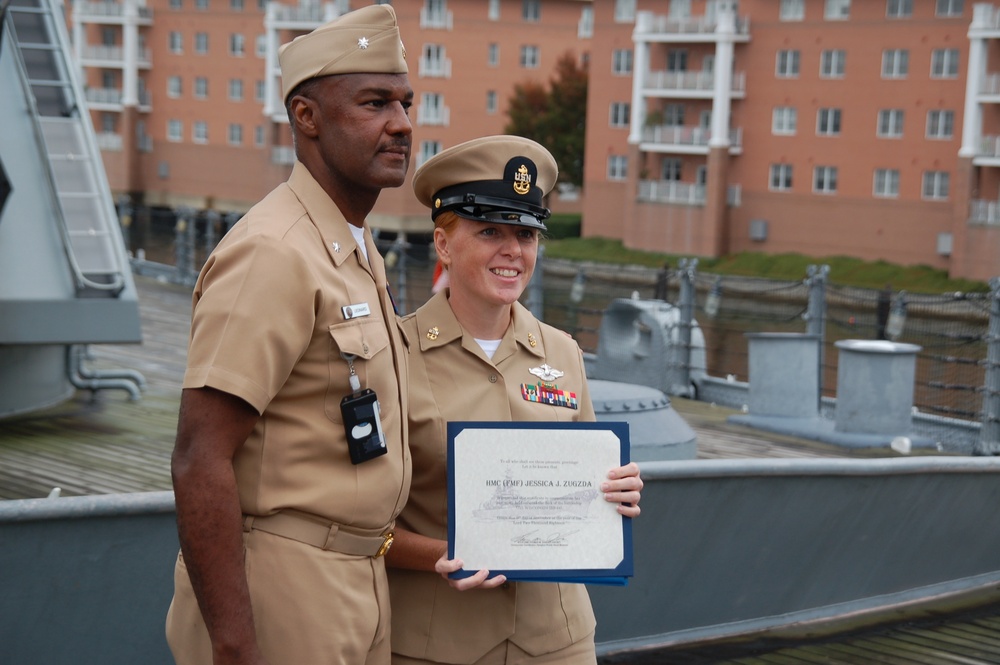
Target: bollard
[(875, 386)]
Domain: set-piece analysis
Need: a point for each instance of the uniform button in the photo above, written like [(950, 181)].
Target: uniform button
[(493, 378), (364, 347)]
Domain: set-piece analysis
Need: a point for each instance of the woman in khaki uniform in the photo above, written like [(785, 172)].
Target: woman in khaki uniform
[(472, 348)]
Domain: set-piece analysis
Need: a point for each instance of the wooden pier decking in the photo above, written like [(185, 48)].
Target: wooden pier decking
[(104, 443)]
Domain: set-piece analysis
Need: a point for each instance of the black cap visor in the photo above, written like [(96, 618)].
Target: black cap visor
[(498, 211)]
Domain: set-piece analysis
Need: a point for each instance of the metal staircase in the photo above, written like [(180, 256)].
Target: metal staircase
[(89, 223)]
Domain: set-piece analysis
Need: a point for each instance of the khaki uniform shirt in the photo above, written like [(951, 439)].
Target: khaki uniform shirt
[(452, 379), (268, 327)]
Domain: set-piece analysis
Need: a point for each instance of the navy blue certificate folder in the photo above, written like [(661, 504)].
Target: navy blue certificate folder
[(614, 445)]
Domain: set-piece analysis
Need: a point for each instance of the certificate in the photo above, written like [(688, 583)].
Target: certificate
[(525, 501)]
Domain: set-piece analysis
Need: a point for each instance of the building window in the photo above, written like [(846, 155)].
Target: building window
[(585, 30), (491, 101), (176, 42), (235, 134), (621, 62), (433, 62), (175, 131), (494, 10), (890, 124), (673, 115), (201, 42), (260, 46), (899, 8), (787, 64), (895, 63), (493, 55), (200, 87), (792, 10), (176, 4), (427, 150), (677, 60), (236, 44), (948, 8), (259, 91), (886, 184), (531, 10), (201, 5), (624, 11), (944, 63), (837, 10), (199, 132), (236, 5), (620, 114), (784, 120), (825, 179), (432, 109), (832, 64), (617, 167), (670, 169), (828, 122), (174, 88), (935, 185), (529, 57), (940, 124), (781, 178), (236, 90), (108, 123), (258, 136)]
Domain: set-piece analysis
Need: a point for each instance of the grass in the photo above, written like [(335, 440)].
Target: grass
[(844, 270)]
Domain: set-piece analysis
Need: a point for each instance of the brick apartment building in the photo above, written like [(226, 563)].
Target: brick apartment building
[(868, 128)]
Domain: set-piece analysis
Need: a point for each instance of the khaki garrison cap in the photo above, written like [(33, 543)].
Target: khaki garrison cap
[(365, 41), (491, 179)]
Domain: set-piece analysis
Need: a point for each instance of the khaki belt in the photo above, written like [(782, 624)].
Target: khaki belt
[(326, 536)]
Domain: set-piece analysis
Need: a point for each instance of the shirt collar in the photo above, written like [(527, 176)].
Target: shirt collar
[(437, 326)]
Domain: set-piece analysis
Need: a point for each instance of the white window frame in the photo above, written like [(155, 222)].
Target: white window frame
[(201, 43), (260, 46), (895, 63), (784, 121), (934, 185), (899, 8), (493, 55), (235, 134), (885, 184), (889, 123), (237, 44), (200, 87), (201, 5), (176, 42), (671, 169), (828, 121), (787, 63), (625, 11), (618, 115), (944, 63), (792, 10), (825, 179), (175, 87), (427, 150), (492, 103), (621, 62), (779, 177), (175, 131), (940, 124), (531, 11), (617, 168), (943, 8), (585, 29), (530, 56), (199, 132), (258, 135), (832, 64), (235, 90), (837, 10), (493, 12), (259, 91)]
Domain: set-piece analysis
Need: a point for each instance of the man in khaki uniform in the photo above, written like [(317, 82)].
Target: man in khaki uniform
[(286, 493), (475, 353)]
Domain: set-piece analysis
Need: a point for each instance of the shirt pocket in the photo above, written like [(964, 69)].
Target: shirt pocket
[(368, 341)]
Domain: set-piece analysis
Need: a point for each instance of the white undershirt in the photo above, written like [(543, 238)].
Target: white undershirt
[(489, 346), (359, 237)]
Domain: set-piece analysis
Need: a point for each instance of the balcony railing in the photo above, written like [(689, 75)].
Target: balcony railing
[(115, 54), (435, 67), (650, 25), (303, 14), (283, 155), (439, 116), (435, 19), (690, 82), (92, 10), (699, 137), (671, 191), (109, 141), (989, 146), (986, 213)]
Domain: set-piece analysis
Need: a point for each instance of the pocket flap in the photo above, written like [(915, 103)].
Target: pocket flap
[(360, 337)]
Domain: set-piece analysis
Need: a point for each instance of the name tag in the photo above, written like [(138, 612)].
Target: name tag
[(354, 311)]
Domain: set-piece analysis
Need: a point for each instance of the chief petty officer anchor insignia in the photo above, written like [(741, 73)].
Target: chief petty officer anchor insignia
[(546, 391)]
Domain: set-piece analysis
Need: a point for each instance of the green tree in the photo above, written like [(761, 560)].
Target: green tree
[(555, 116)]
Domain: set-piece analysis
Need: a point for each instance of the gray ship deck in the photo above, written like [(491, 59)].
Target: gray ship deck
[(105, 443)]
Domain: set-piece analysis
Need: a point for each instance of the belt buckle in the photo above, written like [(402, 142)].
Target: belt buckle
[(386, 544)]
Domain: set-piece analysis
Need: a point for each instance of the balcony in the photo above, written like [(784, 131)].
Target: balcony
[(683, 193), (435, 19), (302, 17), (685, 140), (435, 67), (110, 12), (984, 213), (988, 152), (110, 99), (283, 155), (109, 141), (692, 85), (111, 56), (657, 28), (433, 115)]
